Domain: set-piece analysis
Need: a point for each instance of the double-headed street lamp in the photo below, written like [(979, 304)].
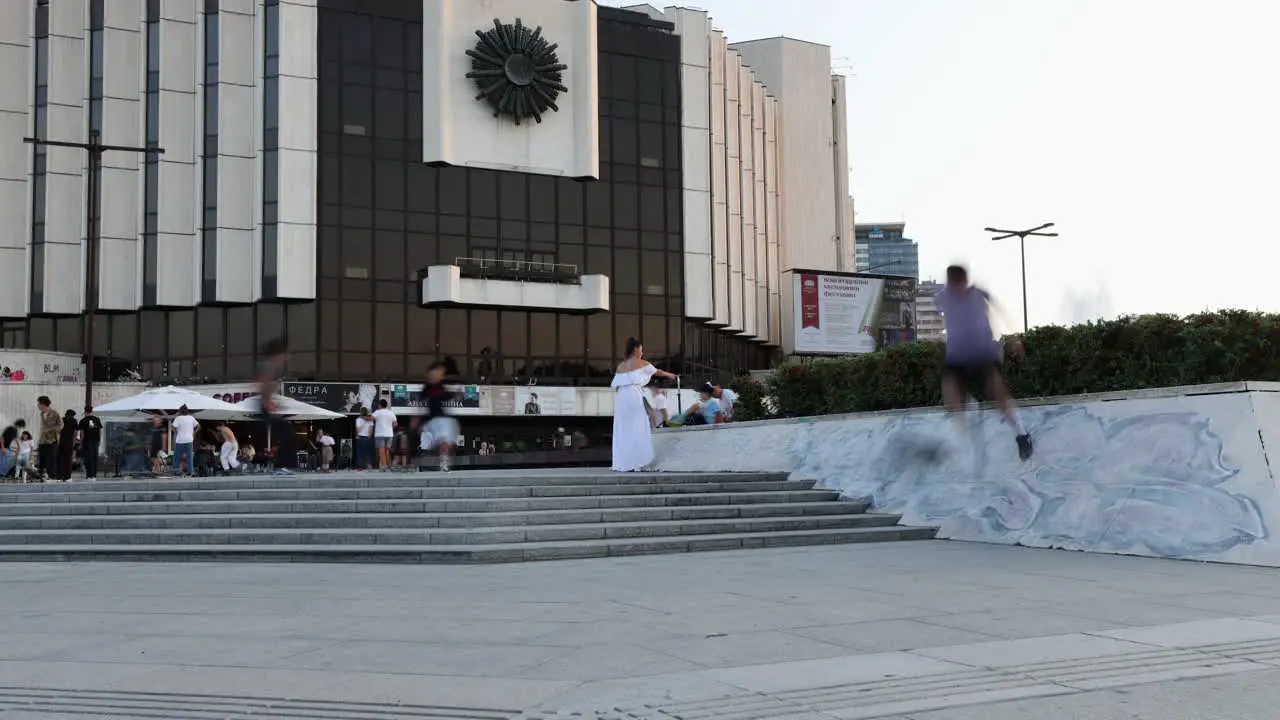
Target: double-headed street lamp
[(1022, 236)]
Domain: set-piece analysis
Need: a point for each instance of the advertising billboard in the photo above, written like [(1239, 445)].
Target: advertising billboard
[(846, 313), (467, 400), (345, 398)]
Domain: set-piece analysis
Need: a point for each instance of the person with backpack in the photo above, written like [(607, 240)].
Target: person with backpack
[(90, 443)]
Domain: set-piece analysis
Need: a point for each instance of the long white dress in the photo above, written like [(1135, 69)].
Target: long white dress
[(632, 443)]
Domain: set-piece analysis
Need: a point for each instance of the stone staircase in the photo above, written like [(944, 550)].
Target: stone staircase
[(461, 517)]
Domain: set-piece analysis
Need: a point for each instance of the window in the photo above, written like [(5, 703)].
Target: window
[(151, 164), (97, 60), (270, 148), (40, 130), (209, 190)]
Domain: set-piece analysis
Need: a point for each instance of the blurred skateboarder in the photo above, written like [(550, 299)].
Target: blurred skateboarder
[(974, 357)]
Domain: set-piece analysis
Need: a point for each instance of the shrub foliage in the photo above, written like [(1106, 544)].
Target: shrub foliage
[(1129, 353)]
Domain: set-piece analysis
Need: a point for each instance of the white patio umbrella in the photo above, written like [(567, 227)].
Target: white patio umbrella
[(166, 402), (286, 408)]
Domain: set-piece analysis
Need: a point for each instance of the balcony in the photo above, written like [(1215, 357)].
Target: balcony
[(513, 284)]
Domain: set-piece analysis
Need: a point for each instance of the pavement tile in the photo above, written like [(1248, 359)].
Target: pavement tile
[(832, 671), (1201, 632), (1029, 651), (889, 635), (752, 648)]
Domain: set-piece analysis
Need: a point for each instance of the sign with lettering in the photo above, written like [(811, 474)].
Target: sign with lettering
[(837, 314), (345, 398), (234, 397), (407, 400)]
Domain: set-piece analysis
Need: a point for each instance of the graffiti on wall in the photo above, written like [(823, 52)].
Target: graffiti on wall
[(1178, 477)]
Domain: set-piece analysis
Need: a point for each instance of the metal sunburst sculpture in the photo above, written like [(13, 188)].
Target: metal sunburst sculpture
[(516, 71)]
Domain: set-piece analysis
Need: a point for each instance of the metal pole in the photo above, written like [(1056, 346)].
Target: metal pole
[(1022, 236), (1022, 246), (92, 232)]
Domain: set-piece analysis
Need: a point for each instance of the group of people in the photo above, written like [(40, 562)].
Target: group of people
[(636, 413), (49, 454), (973, 367), (383, 443), (192, 453)]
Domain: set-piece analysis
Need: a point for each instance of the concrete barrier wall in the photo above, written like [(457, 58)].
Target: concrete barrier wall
[(1178, 473)]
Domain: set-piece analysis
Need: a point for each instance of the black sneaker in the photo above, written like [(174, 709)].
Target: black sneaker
[(1024, 447)]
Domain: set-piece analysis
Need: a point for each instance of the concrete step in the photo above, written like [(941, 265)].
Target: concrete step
[(439, 536), (321, 481), (506, 552), (425, 519), (446, 505), (405, 493)]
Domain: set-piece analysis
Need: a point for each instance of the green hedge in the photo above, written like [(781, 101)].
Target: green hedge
[(1130, 353)]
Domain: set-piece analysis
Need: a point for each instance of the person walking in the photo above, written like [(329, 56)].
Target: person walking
[(273, 364), (441, 428), (400, 448), (632, 425), (325, 442), (67, 445), (364, 439), (184, 442), (229, 451), (90, 443), (974, 357), (50, 436), (384, 431)]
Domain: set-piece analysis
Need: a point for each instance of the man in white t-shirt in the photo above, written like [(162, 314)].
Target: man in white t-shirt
[(326, 443), (384, 431), (726, 397), (364, 439), (184, 438)]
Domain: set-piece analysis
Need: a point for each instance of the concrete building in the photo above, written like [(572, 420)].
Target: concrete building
[(372, 180), (929, 325), (884, 248)]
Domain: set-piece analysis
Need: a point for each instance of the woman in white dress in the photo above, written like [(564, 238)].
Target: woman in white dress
[(632, 444)]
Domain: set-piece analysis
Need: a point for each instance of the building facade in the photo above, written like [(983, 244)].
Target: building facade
[(378, 183), (929, 324), (884, 248)]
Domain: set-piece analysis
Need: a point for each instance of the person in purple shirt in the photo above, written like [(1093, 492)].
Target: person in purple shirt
[(974, 357)]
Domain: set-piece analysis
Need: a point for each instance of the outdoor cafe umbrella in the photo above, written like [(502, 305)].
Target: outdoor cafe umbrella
[(286, 408), (166, 402)]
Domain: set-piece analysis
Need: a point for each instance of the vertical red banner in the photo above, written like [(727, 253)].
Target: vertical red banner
[(809, 315)]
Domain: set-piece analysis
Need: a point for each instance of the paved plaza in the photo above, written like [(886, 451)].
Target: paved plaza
[(927, 630)]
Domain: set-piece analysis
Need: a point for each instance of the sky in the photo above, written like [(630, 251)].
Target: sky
[(1147, 130)]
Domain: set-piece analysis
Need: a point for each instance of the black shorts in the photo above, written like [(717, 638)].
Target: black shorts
[(974, 378)]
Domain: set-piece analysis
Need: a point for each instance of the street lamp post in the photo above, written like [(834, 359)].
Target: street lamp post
[(93, 235), (1022, 236)]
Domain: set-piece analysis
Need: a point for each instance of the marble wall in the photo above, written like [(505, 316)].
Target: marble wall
[(1179, 473)]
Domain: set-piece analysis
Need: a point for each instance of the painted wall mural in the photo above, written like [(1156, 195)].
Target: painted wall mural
[(1182, 476)]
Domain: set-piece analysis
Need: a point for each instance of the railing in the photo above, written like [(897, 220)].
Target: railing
[(524, 270)]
